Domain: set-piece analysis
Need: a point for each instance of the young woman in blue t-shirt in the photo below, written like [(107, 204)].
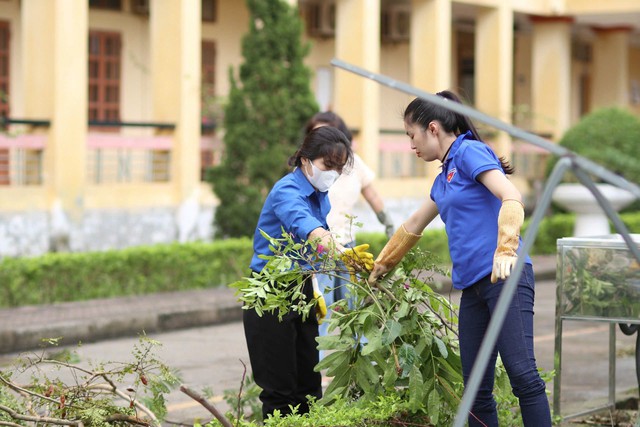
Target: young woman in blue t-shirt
[(483, 212), (283, 354)]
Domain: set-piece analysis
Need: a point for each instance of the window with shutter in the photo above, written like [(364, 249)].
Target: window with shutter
[(4, 98), (104, 77)]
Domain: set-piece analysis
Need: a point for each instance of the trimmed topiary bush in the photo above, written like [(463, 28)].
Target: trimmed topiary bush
[(609, 137)]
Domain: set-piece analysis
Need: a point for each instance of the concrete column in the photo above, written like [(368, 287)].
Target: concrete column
[(55, 46), (494, 68), (551, 75), (430, 46), (430, 51), (175, 70), (357, 99), (610, 67)]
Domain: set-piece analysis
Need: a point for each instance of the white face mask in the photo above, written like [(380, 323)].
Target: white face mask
[(320, 179)]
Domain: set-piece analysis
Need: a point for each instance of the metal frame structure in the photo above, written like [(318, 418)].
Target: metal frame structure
[(628, 325), (581, 167)]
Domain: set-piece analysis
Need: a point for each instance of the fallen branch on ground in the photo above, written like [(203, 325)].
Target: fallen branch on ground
[(206, 404)]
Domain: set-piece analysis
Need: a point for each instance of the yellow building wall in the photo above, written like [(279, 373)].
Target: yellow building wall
[(137, 95), (319, 58), (522, 81), (395, 64)]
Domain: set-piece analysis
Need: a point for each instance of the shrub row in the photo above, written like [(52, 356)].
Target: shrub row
[(62, 277)]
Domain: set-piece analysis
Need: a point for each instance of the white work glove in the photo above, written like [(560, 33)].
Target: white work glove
[(385, 219)]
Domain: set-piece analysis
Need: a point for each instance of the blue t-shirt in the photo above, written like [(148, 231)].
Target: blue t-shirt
[(293, 205), (468, 209)]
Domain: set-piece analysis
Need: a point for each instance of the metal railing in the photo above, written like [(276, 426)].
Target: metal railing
[(581, 167), (111, 157), (21, 155)]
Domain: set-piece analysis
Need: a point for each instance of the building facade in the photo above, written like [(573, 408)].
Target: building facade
[(108, 106)]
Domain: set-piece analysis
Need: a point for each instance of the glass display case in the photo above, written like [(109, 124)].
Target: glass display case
[(597, 279)]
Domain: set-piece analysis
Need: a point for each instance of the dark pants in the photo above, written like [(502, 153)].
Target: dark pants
[(283, 355), (515, 345)]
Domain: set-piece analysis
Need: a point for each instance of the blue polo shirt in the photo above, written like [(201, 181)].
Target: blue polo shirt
[(293, 205), (468, 209)]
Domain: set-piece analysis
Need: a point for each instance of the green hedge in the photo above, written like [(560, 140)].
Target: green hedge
[(63, 277), (60, 277)]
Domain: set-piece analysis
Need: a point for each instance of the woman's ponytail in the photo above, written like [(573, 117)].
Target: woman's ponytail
[(464, 124)]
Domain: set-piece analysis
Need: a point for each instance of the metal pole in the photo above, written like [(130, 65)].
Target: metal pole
[(586, 164)]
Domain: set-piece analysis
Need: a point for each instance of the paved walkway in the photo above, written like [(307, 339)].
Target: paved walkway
[(23, 328), (207, 336)]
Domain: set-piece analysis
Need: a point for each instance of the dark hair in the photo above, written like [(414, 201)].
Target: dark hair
[(331, 119), (422, 112), (328, 143)]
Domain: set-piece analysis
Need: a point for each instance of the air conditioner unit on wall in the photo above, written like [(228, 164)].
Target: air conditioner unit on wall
[(140, 7), (395, 22), (321, 18)]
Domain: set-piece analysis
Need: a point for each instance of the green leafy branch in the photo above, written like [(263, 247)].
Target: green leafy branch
[(397, 335), (38, 390)]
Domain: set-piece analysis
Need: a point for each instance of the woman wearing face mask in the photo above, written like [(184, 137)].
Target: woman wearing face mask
[(283, 354), (344, 196)]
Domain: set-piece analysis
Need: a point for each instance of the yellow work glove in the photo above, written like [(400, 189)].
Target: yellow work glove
[(510, 220), (357, 258), (321, 304), (395, 249)]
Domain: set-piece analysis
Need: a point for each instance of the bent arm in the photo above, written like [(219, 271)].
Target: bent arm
[(403, 239), (499, 185), (510, 219), (373, 198), (417, 222)]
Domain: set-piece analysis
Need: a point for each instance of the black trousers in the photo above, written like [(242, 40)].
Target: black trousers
[(283, 355)]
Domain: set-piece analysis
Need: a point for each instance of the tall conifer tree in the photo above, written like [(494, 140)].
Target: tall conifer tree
[(268, 105)]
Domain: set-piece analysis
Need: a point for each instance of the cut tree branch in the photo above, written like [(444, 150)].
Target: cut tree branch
[(207, 405), (126, 397), (45, 420), (118, 418)]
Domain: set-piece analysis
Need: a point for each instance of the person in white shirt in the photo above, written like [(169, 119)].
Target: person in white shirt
[(343, 196)]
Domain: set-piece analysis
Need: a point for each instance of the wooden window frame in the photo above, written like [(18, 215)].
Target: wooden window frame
[(208, 80), (5, 69), (105, 77), (209, 58), (214, 11)]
